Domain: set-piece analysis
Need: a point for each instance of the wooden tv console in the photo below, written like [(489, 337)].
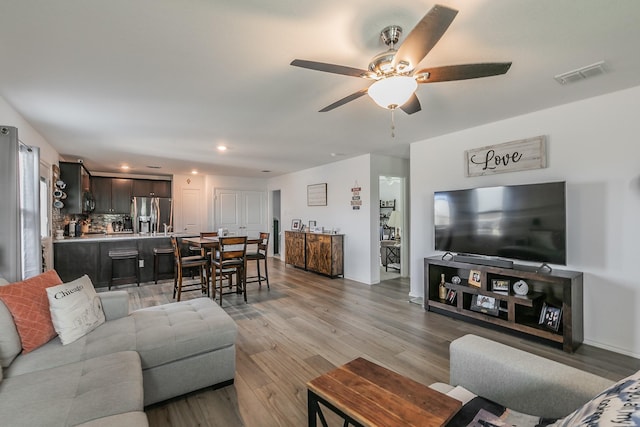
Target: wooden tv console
[(558, 289)]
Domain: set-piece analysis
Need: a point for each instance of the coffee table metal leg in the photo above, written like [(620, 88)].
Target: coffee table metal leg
[(314, 411)]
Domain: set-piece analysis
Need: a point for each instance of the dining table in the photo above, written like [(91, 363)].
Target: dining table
[(212, 242)]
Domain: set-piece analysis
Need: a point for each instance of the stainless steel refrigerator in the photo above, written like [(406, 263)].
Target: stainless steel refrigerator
[(150, 214), (20, 244)]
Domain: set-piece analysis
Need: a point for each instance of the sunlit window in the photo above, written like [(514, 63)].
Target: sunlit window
[(44, 208)]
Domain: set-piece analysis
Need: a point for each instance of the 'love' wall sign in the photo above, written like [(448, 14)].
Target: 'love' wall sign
[(525, 154)]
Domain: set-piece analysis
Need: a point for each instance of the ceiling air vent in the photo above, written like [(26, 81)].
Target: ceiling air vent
[(581, 73)]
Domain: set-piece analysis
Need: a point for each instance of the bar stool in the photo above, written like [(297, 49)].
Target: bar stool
[(124, 255), (157, 253)]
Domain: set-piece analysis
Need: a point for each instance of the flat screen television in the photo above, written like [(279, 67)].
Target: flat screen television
[(524, 222)]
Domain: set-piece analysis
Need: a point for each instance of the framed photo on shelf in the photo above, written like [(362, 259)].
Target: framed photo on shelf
[(550, 317), (312, 224), (451, 297), (474, 278), (500, 285), (296, 224), (485, 304)]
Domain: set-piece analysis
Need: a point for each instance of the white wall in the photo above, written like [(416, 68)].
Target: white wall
[(26, 133), (593, 146), (354, 224)]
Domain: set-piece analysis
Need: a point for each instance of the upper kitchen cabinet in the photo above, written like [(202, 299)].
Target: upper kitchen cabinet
[(76, 182), (112, 195), (151, 188)]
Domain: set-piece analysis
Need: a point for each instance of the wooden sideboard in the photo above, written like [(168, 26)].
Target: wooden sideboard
[(320, 253)]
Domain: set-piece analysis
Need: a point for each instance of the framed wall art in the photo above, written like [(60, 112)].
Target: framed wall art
[(317, 194)]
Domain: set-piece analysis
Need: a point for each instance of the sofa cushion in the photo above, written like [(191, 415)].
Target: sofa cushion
[(160, 334), (10, 345), (74, 393), (619, 405), (27, 301), (75, 309), (110, 337)]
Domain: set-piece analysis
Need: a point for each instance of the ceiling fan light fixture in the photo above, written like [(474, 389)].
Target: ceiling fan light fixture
[(392, 92)]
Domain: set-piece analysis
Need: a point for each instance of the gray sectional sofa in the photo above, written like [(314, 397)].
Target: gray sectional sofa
[(107, 377)]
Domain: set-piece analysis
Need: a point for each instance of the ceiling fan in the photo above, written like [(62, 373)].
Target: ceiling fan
[(393, 72)]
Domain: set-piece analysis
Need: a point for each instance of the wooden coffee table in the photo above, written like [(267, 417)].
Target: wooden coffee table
[(365, 394)]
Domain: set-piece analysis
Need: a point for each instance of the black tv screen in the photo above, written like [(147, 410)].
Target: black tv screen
[(525, 222)]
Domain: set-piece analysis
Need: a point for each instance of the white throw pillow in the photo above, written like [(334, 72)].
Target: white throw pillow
[(75, 308)]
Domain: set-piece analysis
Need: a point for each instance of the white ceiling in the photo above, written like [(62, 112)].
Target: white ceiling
[(162, 82)]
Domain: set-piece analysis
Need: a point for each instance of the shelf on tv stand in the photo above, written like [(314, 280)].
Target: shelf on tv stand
[(560, 288)]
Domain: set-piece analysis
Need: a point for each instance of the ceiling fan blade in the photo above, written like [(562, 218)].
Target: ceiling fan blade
[(344, 100), (424, 36), (461, 72), (412, 105), (329, 68)]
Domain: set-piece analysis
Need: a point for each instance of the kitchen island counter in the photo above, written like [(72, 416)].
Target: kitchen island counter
[(102, 237), (89, 254)]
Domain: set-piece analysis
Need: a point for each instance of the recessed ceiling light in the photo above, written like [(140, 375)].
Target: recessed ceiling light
[(337, 154), (194, 172), (124, 167), (222, 148), (265, 171)]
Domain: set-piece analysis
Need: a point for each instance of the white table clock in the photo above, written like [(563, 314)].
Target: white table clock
[(521, 288)]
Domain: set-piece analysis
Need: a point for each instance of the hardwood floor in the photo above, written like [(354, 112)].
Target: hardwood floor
[(308, 324)]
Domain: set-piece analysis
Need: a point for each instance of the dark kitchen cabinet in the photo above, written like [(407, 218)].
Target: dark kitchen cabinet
[(113, 195), (76, 179), (151, 188)]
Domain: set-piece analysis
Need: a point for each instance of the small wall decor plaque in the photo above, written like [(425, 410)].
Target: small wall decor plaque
[(524, 154), (356, 201)]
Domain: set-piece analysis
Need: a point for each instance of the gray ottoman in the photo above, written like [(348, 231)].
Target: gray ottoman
[(184, 346)]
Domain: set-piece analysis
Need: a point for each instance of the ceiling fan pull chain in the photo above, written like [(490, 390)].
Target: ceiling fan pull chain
[(393, 123)]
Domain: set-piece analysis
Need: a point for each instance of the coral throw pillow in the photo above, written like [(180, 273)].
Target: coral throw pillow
[(28, 303)]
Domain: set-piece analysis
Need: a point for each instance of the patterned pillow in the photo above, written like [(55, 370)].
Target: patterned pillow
[(28, 303), (75, 309), (619, 405)]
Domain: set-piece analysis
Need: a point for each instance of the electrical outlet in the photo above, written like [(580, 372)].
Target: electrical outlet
[(141, 263)]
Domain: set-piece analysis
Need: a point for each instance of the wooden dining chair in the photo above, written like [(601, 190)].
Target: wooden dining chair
[(230, 258), (183, 264), (260, 254), (203, 251)]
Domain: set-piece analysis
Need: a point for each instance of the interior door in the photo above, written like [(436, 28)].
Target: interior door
[(254, 204), (228, 211), (190, 210), (241, 212)]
